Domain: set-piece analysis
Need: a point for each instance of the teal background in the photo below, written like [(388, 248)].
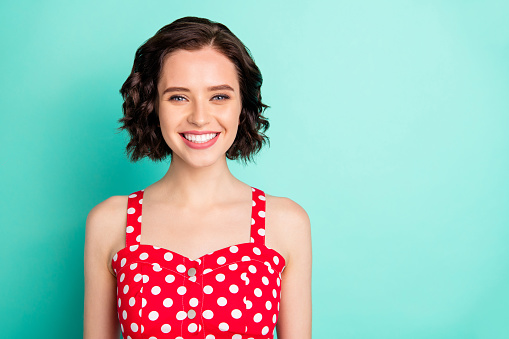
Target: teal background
[(389, 125)]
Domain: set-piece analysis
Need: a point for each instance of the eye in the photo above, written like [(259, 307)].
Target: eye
[(226, 97), (177, 97)]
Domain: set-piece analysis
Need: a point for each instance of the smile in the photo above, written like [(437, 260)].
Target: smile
[(199, 141), (200, 138)]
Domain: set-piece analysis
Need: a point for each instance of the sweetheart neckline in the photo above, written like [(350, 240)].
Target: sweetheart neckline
[(187, 259)]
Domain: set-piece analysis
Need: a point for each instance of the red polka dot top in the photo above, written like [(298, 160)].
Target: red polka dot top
[(232, 292)]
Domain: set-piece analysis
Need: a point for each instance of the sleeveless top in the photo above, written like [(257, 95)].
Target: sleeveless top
[(233, 292)]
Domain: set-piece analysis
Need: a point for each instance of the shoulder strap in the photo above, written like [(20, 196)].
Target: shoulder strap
[(133, 227), (258, 217)]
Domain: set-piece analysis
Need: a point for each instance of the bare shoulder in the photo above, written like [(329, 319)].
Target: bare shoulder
[(105, 227), (289, 223)]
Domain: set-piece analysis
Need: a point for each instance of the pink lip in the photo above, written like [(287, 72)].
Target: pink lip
[(199, 132), (202, 145)]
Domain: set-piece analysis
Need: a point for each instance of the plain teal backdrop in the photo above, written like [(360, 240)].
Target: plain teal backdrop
[(389, 125)]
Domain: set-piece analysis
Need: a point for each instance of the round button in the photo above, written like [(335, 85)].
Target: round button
[(191, 272), (191, 314)]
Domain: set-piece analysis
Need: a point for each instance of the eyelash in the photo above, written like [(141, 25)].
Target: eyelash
[(217, 95)]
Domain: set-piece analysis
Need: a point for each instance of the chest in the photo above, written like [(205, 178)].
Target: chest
[(194, 232)]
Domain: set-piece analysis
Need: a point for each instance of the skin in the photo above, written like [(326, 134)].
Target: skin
[(210, 208)]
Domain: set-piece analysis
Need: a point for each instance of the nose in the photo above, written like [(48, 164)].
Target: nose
[(198, 115)]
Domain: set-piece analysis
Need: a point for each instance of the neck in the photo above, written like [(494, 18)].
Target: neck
[(197, 186)]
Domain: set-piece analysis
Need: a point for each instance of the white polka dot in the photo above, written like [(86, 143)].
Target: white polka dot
[(140, 201), (133, 248), (252, 221), (133, 266), (126, 289), (156, 290), (122, 277), (276, 260), (132, 301), (137, 277), (261, 197), (193, 302), (134, 327), (124, 314), (252, 269), (122, 262), (265, 330), (145, 278), (261, 214), (257, 251), (274, 294), (143, 302), (249, 304), (233, 266), (169, 278), (234, 288), (167, 302), (245, 258), (238, 336), (142, 328), (207, 270), (166, 328), (207, 289), (208, 314), (192, 327), (131, 210), (134, 195), (157, 267), (181, 315), (139, 219), (181, 268), (257, 318), (138, 237), (224, 326), (274, 318), (115, 257), (129, 229), (265, 280), (119, 302), (236, 313), (254, 203), (278, 281), (258, 292), (168, 256), (220, 277), (181, 290), (234, 249), (221, 260), (261, 231), (153, 315), (143, 256), (268, 305), (210, 336), (221, 301)]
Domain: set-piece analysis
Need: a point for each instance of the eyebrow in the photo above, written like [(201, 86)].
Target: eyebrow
[(211, 88)]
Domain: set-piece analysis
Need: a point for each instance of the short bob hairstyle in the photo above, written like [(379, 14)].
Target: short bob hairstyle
[(139, 91)]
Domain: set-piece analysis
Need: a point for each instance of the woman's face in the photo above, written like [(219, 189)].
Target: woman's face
[(198, 92)]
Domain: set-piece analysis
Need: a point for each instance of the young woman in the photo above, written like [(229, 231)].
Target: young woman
[(198, 253)]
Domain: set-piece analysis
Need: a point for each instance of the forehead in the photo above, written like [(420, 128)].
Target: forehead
[(200, 68)]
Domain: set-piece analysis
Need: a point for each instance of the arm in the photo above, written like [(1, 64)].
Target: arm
[(295, 311), (100, 317)]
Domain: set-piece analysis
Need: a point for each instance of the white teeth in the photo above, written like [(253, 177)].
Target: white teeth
[(200, 138)]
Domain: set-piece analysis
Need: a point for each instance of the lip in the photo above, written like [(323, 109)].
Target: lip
[(202, 145), (199, 132)]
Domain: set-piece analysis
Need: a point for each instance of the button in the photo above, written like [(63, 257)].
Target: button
[(191, 314), (191, 272)]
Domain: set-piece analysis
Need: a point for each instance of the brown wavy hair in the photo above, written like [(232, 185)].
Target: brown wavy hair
[(139, 91)]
